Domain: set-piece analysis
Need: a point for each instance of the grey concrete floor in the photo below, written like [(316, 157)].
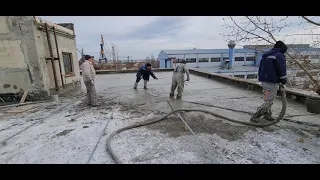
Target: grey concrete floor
[(55, 138)]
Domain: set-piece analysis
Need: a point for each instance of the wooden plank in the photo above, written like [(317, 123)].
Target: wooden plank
[(21, 109), (24, 97)]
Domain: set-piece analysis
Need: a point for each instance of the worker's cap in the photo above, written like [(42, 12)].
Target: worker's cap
[(87, 57)]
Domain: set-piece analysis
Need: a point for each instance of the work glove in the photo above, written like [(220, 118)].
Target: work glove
[(283, 81), (92, 81)]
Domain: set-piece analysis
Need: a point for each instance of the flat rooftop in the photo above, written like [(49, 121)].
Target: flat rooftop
[(68, 131)]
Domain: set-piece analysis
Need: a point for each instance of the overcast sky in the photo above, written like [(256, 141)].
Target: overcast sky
[(140, 36)]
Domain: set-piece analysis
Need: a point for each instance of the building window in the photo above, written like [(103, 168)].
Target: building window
[(252, 76), (191, 60), (239, 76), (203, 59), (215, 59), (307, 57), (67, 62), (250, 58), (239, 59)]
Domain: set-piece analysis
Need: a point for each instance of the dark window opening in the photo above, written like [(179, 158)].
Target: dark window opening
[(250, 58), (191, 60), (239, 59), (215, 59), (239, 76), (203, 59), (67, 62), (252, 76)]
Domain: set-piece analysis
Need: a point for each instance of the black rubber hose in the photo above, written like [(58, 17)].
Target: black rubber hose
[(140, 124)]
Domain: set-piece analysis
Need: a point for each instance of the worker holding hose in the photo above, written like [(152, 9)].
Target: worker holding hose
[(178, 79), (272, 72), (144, 72)]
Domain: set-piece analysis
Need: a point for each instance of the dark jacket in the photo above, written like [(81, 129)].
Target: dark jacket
[(145, 73), (272, 66)]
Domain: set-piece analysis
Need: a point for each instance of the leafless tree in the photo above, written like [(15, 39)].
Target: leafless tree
[(267, 30)]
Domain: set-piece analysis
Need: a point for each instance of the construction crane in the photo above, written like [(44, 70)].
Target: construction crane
[(102, 56)]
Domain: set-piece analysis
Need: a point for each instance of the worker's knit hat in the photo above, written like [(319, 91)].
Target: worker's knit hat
[(87, 57)]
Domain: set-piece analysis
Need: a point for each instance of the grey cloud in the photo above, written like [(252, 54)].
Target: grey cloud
[(162, 26), (135, 37)]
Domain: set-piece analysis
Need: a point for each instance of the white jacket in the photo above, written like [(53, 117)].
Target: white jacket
[(88, 71)]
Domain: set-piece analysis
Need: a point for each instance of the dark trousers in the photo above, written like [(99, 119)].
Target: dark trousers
[(138, 80)]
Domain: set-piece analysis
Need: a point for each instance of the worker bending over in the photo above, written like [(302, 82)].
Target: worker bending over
[(144, 72), (88, 74), (178, 78), (272, 72)]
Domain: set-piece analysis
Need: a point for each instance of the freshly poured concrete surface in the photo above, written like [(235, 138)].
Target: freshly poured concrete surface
[(59, 140)]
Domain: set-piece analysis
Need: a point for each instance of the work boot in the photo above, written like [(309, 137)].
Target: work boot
[(179, 96), (268, 116), (266, 112), (254, 120), (135, 85), (255, 117), (145, 87), (171, 94)]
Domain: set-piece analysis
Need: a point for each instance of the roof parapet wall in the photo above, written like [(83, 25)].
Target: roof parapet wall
[(62, 31)]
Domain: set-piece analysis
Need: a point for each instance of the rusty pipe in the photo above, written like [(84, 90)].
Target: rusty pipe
[(58, 55), (51, 57)]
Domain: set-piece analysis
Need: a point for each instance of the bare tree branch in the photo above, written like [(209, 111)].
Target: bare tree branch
[(310, 21), (258, 29)]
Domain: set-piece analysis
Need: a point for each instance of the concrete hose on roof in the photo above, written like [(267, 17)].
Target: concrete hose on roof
[(136, 125)]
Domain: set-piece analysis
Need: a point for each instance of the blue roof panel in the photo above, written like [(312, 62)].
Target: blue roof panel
[(219, 51), (207, 51)]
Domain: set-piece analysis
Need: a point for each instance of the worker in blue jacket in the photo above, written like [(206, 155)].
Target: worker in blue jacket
[(272, 72), (144, 72)]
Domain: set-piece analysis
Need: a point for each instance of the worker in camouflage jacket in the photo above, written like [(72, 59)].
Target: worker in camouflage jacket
[(178, 78)]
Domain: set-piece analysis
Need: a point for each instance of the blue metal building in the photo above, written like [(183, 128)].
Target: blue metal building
[(236, 62)]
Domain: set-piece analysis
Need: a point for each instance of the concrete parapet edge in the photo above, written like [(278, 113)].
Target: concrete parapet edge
[(292, 93), (128, 71)]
